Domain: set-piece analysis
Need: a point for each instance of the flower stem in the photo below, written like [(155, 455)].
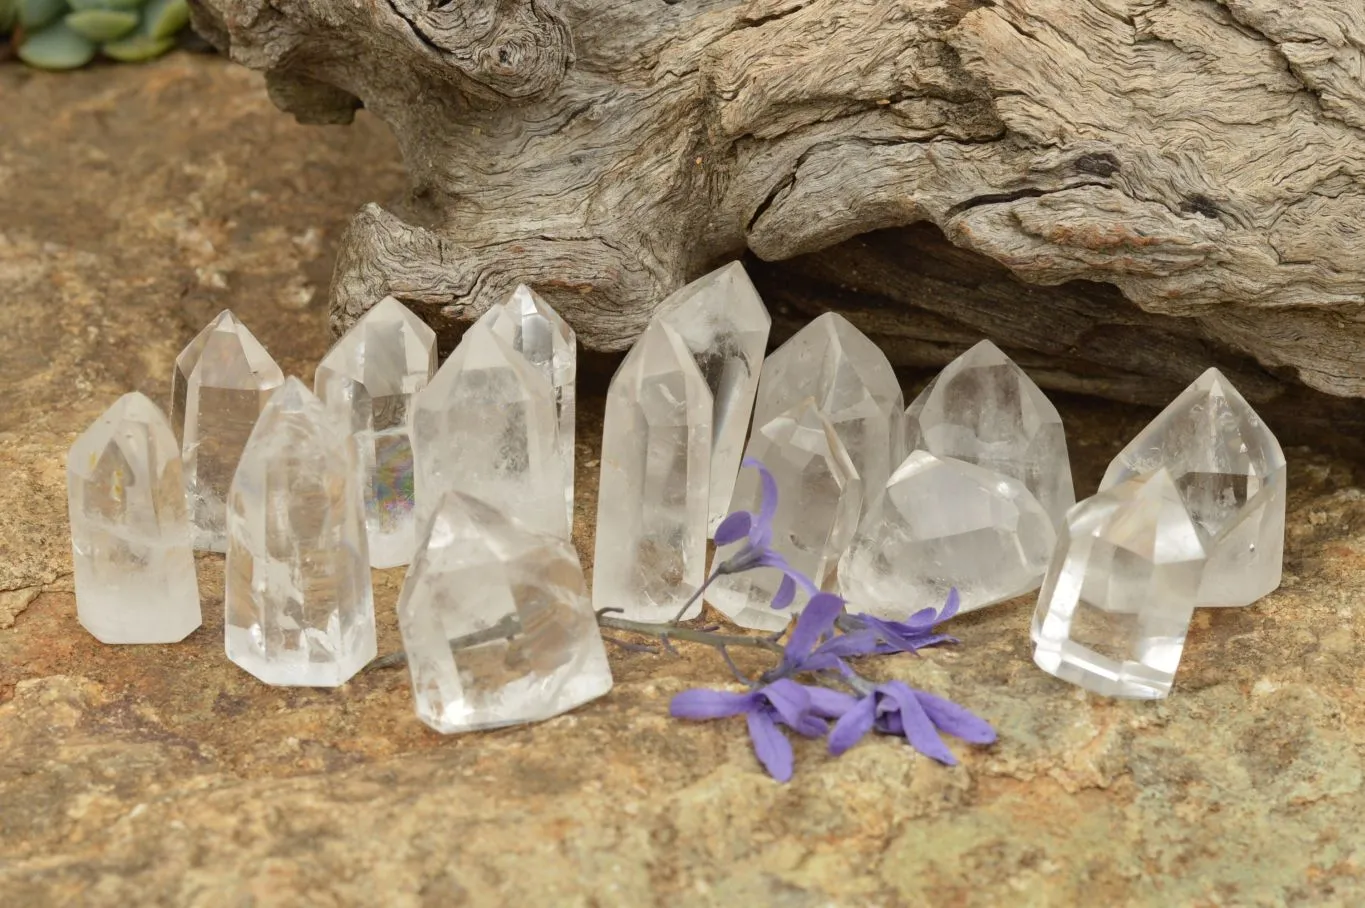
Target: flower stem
[(694, 597), (673, 632)]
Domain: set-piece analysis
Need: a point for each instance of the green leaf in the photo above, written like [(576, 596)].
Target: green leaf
[(9, 14), (105, 4), (137, 48), (56, 47), (102, 24), (34, 14), (163, 18)]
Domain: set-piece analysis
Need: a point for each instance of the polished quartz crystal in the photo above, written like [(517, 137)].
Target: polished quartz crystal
[(298, 605), (222, 380), (496, 622), (652, 503), (983, 409), (940, 524), (1121, 590), (367, 382), (722, 320), (130, 536), (818, 501), (1231, 475)]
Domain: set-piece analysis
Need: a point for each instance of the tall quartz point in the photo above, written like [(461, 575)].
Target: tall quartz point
[(298, 605), (939, 524), (496, 622), (367, 382), (724, 323), (855, 386), (531, 327), (819, 497), (1231, 475), (652, 503), (130, 536), (222, 380), (1121, 590), (983, 409), (486, 425)]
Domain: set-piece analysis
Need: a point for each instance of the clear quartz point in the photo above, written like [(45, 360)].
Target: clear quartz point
[(298, 604), (496, 622), (983, 409), (819, 498), (1230, 473), (367, 382), (652, 502), (1120, 591), (222, 380), (130, 535), (939, 524), (723, 322)]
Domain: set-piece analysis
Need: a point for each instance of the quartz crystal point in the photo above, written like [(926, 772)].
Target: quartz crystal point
[(298, 605), (1121, 590), (130, 536), (1230, 473), (818, 501), (221, 382), (983, 409), (496, 622), (486, 426), (722, 320), (939, 524), (652, 503), (529, 326), (367, 382), (852, 381)]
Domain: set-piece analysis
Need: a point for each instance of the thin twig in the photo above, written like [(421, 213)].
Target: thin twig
[(691, 635)]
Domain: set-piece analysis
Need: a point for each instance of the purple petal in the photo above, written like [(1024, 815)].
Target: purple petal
[(762, 532), (858, 643), (852, 725), (769, 558), (811, 726), (733, 528), (831, 704), (916, 727), (923, 619), (955, 719), (711, 704), (771, 747), (788, 699), (949, 605), (816, 621), (786, 592)]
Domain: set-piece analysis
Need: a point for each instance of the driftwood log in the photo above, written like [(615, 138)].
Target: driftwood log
[(1205, 158)]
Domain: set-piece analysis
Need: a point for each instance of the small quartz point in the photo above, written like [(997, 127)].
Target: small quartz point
[(722, 320), (855, 386), (652, 503), (367, 382), (1231, 475), (298, 605), (496, 622), (529, 326), (1121, 590), (486, 426), (983, 409), (939, 524), (819, 498), (222, 380), (130, 536)]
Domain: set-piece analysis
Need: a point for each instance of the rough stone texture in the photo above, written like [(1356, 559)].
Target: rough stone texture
[(165, 776)]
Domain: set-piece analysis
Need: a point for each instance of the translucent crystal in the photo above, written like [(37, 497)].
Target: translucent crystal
[(722, 320), (1230, 473), (653, 498), (851, 379), (130, 536), (983, 409), (367, 382), (1120, 591), (298, 605), (939, 524), (222, 380), (496, 622), (486, 426), (819, 497)]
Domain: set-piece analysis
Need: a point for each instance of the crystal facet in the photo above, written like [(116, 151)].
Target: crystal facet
[(529, 326), (855, 386), (298, 605), (1120, 591), (722, 320), (939, 524), (130, 536), (486, 426), (496, 622), (1231, 475), (983, 409), (653, 498), (222, 380), (367, 382), (819, 498)]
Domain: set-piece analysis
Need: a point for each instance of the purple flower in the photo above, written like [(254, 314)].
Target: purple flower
[(894, 708), (812, 645), (757, 531), (915, 632), (783, 702)]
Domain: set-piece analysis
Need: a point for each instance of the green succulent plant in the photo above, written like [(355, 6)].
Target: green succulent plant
[(66, 34)]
